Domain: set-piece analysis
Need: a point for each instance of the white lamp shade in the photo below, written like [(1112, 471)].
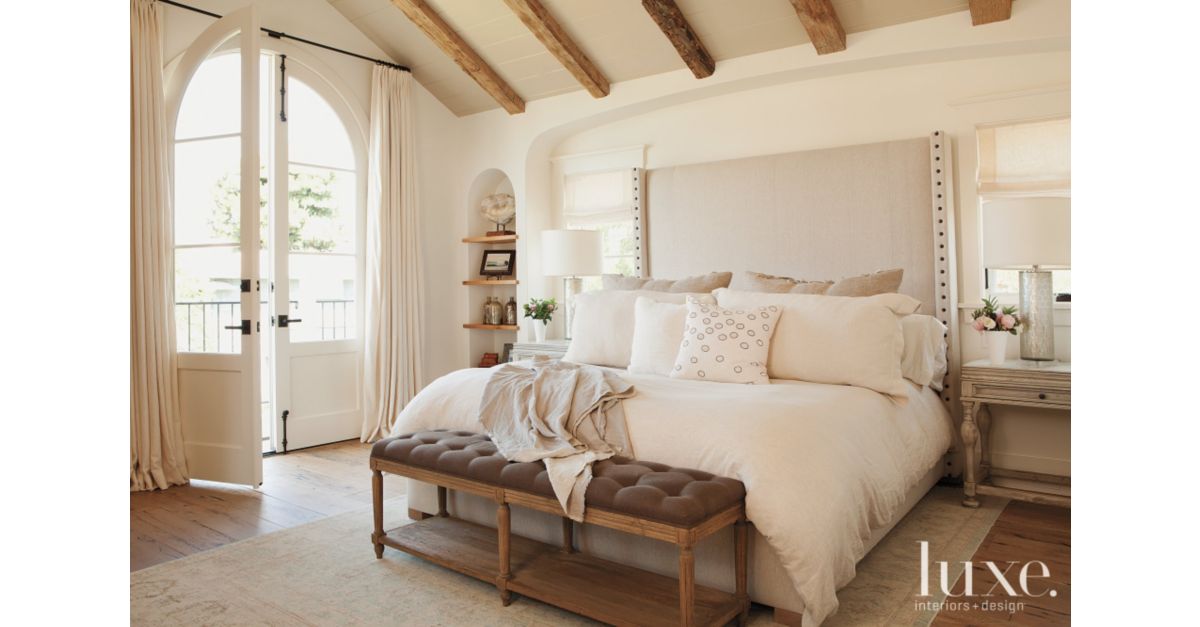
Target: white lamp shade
[(1026, 232), (569, 252)]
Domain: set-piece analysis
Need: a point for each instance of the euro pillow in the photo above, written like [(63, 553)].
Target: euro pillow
[(602, 331), (924, 361), (657, 330), (834, 339), (726, 345)]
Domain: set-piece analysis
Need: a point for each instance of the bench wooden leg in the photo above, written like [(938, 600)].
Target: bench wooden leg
[(740, 562), (377, 506), (687, 587), (568, 535), (504, 529), (441, 492)]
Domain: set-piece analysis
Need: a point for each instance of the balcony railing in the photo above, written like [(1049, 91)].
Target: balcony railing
[(337, 318), (201, 324)]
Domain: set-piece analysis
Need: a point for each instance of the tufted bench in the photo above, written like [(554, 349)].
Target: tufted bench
[(676, 505)]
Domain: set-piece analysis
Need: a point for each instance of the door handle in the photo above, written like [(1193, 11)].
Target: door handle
[(244, 327), (284, 321)]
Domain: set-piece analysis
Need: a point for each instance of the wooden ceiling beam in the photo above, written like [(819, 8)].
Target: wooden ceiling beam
[(461, 52), (548, 31), (988, 11), (670, 19), (822, 24)]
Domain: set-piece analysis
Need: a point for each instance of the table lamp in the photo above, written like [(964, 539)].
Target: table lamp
[(1032, 235), (571, 254)]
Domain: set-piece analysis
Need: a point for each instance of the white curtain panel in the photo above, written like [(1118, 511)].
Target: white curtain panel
[(156, 458), (392, 373)]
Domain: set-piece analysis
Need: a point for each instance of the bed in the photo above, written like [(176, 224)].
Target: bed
[(829, 469)]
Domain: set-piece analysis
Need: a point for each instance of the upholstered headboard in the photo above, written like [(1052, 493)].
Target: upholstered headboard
[(818, 214)]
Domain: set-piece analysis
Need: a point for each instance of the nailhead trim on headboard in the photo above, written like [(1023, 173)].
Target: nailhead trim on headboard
[(641, 264), (946, 302)]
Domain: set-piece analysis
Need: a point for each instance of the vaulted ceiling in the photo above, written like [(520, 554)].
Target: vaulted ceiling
[(607, 41)]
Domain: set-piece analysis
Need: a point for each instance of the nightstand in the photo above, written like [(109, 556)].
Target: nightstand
[(554, 349), (1015, 382)]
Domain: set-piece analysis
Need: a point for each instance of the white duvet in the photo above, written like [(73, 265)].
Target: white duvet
[(824, 465)]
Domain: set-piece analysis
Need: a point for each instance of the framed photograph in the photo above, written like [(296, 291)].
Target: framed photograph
[(498, 263)]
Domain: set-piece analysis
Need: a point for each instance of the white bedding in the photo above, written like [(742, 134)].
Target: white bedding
[(824, 465)]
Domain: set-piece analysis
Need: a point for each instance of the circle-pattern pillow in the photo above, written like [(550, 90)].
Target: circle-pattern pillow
[(725, 345)]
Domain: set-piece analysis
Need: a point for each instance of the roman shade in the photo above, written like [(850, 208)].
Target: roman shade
[(592, 198), (1027, 159)]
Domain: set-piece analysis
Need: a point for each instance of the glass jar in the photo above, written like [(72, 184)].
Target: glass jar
[(493, 311), (510, 311)]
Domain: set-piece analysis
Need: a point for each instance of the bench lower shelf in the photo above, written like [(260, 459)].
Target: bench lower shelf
[(606, 591)]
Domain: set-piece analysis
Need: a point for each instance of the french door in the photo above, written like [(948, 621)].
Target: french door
[(217, 279), (315, 271), (268, 198)]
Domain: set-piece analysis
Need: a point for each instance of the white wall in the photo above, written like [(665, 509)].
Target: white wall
[(439, 138)]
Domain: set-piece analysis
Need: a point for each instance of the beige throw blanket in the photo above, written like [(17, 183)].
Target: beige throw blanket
[(567, 415)]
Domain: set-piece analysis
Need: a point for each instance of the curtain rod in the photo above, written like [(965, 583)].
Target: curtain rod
[(282, 35)]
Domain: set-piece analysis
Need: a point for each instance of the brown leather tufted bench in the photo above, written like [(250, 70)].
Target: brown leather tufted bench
[(676, 505)]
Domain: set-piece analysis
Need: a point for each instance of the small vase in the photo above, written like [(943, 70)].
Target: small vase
[(997, 346), (539, 331)]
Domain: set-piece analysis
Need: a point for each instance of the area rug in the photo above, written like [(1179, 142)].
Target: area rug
[(325, 573)]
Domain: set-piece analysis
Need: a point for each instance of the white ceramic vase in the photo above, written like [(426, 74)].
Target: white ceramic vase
[(539, 331), (997, 345)]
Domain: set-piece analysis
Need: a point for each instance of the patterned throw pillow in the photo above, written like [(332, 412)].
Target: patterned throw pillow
[(725, 345)]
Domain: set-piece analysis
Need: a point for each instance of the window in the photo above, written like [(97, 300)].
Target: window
[(322, 196), (607, 202), (1028, 160)]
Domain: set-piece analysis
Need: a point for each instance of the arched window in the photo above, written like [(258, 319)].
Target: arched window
[(310, 197)]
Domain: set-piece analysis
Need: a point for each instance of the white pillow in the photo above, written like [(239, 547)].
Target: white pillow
[(657, 331), (602, 331), (726, 345), (844, 340), (924, 361)]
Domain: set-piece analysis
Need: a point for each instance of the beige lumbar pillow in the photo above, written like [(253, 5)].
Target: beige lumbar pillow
[(882, 282), (726, 345), (693, 284), (834, 339), (759, 282), (602, 330)]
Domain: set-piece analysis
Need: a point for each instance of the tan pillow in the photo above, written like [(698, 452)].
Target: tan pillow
[(693, 284), (810, 287), (882, 282), (759, 282)]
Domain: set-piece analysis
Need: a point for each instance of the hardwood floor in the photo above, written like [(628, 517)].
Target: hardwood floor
[(1024, 532), (297, 488), (308, 485)]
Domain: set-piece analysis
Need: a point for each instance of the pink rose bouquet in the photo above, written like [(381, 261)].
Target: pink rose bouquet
[(993, 317)]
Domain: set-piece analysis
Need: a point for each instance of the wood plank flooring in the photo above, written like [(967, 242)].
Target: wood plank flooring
[(297, 488), (1024, 532), (308, 485)]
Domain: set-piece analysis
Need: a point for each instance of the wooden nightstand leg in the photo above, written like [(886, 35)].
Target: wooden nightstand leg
[(983, 418), (970, 436)]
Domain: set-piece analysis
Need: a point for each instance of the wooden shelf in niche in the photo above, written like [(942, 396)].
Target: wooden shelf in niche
[(492, 282), (492, 327), (490, 239)]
